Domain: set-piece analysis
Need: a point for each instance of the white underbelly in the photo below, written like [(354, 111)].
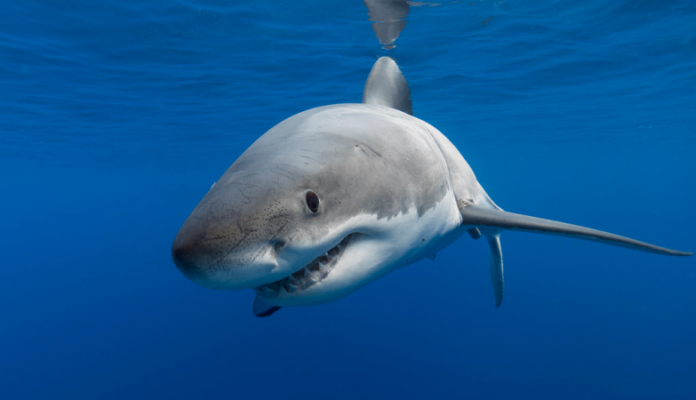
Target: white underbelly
[(383, 246)]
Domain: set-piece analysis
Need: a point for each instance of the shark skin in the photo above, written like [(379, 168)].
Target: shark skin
[(338, 196)]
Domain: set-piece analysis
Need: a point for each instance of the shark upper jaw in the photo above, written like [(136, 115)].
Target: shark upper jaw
[(309, 275)]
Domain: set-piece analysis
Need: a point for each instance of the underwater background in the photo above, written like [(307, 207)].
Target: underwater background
[(117, 116)]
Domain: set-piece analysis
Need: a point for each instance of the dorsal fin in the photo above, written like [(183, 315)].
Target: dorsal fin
[(386, 86)]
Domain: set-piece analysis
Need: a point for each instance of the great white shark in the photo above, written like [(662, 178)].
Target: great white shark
[(336, 197)]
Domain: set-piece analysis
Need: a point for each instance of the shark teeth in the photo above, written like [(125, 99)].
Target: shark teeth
[(310, 275), (293, 280), (315, 277), (323, 269), (289, 287)]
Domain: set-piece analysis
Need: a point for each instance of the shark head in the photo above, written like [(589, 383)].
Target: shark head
[(325, 202), (317, 207)]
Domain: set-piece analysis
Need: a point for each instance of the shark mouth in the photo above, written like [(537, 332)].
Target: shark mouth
[(308, 276)]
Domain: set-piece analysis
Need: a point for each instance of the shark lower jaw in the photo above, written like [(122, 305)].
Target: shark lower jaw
[(309, 275)]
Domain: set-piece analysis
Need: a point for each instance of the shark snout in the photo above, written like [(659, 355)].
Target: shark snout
[(188, 258), (223, 259), (196, 258)]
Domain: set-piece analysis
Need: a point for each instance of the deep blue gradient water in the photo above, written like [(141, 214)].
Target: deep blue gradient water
[(117, 116)]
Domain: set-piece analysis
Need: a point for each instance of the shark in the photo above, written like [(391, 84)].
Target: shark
[(336, 197)]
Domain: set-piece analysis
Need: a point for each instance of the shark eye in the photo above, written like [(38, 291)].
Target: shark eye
[(312, 201)]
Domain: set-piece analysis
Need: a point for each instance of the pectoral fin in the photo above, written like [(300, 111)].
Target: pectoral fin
[(496, 265), (490, 222), (263, 309), (483, 217)]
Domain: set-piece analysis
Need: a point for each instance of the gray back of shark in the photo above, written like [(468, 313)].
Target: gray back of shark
[(371, 159)]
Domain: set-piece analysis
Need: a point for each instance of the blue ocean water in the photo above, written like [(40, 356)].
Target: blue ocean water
[(117, 116)]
